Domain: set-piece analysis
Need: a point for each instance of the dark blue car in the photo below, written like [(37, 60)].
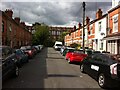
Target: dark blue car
[(21, 56)]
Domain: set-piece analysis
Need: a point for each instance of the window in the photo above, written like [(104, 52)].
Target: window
[(2, 26), (101, 45), (99, 26), (115, 23), (10, 29), (90, 32)]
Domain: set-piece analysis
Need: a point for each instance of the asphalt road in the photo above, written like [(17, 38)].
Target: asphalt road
[(49, 69)]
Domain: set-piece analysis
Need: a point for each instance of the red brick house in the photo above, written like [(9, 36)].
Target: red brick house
[(14, 32), (113, 33)]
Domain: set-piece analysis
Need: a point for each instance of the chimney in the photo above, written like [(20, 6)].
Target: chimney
[(98, 14), (87, 20), (74, 28), (79, 25), (23, 24), (9, 12), (17, 19)]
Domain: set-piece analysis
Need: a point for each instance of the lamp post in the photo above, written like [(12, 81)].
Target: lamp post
[(83, 46)]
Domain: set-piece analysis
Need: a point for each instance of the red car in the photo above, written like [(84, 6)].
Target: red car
[(76, 56), (28, 50)]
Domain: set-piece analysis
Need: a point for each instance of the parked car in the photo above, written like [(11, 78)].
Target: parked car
[(75, 56), (67, 50), (9, 62), (62, 49), (37, 48), (102, 68), (41, 47), (58, 45), (34, 49), (29, 50), (21, 56)]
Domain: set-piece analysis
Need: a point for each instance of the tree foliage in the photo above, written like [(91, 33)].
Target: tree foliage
[(41, 35), (62, 36)]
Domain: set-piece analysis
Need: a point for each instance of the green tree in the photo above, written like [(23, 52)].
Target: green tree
[(62, 36), (41, 34)]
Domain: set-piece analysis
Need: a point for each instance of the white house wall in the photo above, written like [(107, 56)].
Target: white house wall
[(100, 33)]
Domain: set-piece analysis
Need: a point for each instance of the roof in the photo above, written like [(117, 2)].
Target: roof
[(118, 6)]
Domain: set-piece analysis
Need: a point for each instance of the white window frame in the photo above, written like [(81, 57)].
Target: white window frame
[(115, 23)]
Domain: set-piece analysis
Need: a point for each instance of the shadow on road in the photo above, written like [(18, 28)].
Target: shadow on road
[(55, 57), (61, 75)]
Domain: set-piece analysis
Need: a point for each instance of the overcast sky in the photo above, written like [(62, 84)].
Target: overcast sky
[(54, 12)]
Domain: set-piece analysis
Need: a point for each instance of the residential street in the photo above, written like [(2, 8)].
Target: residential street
[(49, 69)]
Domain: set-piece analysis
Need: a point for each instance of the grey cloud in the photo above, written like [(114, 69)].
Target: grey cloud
[(54, 13)]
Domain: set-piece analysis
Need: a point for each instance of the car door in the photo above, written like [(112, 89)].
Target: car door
[(86, 63), (95, 65), (7, 63)]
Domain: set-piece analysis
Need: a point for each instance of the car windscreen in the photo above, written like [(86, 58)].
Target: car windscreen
[(23, 48), (6, 52), (18, 52)]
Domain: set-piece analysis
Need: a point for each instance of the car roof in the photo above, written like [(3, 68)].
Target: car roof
[(109, 58)]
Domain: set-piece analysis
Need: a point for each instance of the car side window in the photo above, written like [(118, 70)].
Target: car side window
[(97, 58), (88, 58)]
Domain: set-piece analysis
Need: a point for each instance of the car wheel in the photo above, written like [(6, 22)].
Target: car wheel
[(16, 73), (102, 82), (69, 61), (82, 68)]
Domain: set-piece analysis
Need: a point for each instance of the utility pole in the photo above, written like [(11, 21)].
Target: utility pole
[(83, 26)]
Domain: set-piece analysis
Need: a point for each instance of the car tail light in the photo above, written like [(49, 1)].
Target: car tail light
[(113, 69), (30, 51)]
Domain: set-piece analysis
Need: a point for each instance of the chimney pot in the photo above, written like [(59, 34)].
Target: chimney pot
[(23, 24), (79, 25), (99, 14), (9, 12), (87, 20), (17, 19)]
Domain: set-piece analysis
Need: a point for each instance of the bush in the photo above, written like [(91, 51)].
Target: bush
[(74, 45)]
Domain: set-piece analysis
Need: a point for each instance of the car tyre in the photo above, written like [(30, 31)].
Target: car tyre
[(102, 81), (82, 68), (69, 61)]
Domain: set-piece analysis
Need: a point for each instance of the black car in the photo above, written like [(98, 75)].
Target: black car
[(102, 68), (9, 65)]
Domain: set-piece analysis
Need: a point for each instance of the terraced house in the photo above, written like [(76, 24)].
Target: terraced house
[(101, 34), (14, 32), (113, 31)]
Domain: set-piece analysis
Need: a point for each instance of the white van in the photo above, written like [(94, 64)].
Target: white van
[(58, 45)]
